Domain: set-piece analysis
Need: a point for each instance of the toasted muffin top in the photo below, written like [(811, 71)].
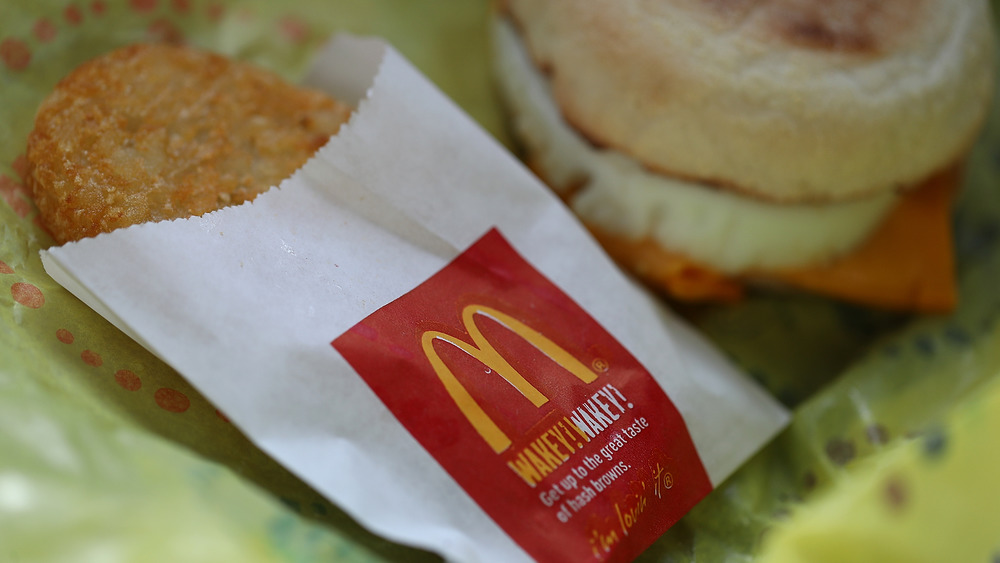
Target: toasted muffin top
[(786, 100)]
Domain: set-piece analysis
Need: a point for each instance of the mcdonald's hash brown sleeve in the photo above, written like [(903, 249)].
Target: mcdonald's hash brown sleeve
[(545, 420), (496, 390)]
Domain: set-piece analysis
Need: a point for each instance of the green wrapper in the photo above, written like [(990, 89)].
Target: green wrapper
[(107, 453)]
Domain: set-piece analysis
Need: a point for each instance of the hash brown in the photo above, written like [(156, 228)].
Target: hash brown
[(152, 132)]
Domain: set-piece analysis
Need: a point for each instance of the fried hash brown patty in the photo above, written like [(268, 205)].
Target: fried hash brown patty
[(153, 132)]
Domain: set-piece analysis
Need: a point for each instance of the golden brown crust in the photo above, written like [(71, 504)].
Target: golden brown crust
[(153, 132)]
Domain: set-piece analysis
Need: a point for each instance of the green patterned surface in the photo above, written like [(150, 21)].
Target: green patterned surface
[(108, 455)]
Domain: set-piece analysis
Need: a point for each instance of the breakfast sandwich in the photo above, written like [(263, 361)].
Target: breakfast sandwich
[(712, 144)]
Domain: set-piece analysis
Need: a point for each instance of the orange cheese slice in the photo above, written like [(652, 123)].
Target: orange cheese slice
[(674, 274), (906, 264)]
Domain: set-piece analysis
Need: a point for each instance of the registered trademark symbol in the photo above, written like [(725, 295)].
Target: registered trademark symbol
[(600, 364)]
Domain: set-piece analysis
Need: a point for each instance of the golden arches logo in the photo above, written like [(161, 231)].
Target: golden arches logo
[(481, 349)]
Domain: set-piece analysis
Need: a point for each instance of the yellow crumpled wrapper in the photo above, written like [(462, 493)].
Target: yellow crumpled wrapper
[(106, 454)]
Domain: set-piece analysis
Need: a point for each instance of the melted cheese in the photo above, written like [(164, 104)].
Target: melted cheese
[(907, 263)]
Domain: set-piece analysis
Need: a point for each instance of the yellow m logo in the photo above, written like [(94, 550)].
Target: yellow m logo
[(482, 350)]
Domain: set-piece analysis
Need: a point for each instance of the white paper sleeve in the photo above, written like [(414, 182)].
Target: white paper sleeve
[(245, 301)]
